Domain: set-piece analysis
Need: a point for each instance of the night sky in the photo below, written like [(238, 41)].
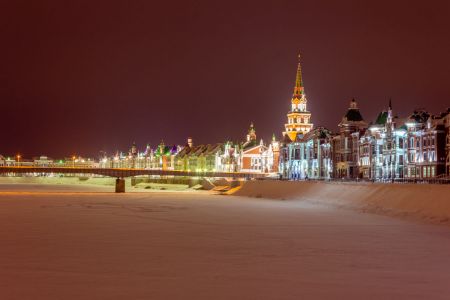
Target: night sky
[(78, 77)]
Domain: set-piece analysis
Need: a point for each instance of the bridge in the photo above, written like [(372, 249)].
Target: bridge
[(120, 173)]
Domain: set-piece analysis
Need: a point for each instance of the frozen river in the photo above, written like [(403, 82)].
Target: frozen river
[(65, 243)]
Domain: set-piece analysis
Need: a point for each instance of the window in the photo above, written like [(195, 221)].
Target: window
[(297, 154)]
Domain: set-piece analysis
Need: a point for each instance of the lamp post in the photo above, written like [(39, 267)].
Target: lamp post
[(18, 159), (73, 161)]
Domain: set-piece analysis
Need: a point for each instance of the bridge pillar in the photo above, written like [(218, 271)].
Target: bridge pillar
[(120, 185)]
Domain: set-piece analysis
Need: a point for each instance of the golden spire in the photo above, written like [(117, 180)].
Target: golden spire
[(298, 89)]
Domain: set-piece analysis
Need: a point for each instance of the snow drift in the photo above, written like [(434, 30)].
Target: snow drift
[(424, 201)]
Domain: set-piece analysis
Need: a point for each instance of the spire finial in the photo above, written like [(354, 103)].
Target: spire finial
[(298, 89)]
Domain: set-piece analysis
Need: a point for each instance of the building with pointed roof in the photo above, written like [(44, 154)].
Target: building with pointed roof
[(258, 157), (396, 149), (251, 137), (345, 144), (299, 118)]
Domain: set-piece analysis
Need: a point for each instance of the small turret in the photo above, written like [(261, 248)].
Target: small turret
[(133, 150), (390, 117), (251, 136), (353, 114)]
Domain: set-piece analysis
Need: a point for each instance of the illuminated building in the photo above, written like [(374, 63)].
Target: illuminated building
[(160, 158), (249, 156), (228, 158), (43, 161), (305, 152), (251, 160), (201, 158), (383, 148), (299, 118), (426, 145), (257, 157), (411, 148), (446, 118), (345, 144), (389, 149), (308, 157), (15, 161), (81, 162)]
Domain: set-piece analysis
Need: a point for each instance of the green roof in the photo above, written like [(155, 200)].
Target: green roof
[(382, 118)]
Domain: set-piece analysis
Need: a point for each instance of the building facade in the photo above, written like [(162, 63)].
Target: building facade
[(258, 157), (446, 120), (308, 157), (345, 144)]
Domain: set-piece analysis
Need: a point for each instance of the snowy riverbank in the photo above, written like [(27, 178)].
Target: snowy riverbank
[(420, 201), (103, 184)]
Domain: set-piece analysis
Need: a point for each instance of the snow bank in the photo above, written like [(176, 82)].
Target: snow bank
[(162, 186), (108, 181), (424, 201), (88, 184)]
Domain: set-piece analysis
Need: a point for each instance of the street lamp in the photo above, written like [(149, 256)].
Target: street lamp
[(18, 159), (73, 161)]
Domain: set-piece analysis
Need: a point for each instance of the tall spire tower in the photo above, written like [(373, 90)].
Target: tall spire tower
[(299, 118)]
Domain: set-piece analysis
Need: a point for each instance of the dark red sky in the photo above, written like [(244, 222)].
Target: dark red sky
[(83, 76)]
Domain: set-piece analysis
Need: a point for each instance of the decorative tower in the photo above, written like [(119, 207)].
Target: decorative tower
[(276, 154), (251, 136), (190, 143), (133, 150), (299, 118), (389, 116)]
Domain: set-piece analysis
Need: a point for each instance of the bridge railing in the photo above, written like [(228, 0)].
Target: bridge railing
[(117, 172)]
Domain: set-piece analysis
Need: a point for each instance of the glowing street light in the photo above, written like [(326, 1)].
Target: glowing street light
[(18, 159)]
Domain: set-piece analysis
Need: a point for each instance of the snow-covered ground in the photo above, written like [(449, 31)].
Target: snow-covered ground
[(424, 202), (104, 184), (75, 243)]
